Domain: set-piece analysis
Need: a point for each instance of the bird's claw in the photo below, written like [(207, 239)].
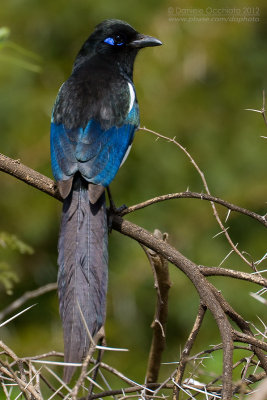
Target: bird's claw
[(119, 210), (112, 211)]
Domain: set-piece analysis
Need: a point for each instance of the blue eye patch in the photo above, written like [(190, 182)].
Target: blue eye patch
[(112, 42)]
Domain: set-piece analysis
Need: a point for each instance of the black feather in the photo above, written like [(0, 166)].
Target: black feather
[(96, 90)]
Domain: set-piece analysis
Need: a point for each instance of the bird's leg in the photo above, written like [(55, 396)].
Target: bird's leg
[(113, 210), (112, 207)]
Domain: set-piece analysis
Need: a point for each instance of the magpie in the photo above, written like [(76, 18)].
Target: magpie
[(93, 122)]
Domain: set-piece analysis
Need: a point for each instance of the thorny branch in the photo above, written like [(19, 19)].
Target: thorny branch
[(193, 195), (209, 296), (27, 388), (192, 271), (262, 111), (187, 348), (202, 176)]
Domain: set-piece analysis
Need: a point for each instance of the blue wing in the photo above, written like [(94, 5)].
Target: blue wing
[(96, 153)]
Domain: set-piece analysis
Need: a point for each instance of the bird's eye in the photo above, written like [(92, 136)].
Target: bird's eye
[(119, 40), (114, 41)]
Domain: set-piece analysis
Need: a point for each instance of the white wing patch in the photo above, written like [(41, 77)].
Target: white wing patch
[(132, 99), (126, 155), (132, 96)]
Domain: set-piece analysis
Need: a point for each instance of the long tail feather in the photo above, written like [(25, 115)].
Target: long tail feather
[(83, 270)]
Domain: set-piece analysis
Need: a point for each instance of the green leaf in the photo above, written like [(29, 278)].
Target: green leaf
[(7, 277), (9, 241)]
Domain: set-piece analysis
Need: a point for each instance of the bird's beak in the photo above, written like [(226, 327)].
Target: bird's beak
[(144, 41)]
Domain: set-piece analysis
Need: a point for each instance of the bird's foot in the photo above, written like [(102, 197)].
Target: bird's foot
[(112, 212), (118, 210)]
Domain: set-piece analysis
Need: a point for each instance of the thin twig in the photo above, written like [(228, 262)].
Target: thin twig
[(80, 380), (45, 355), (195, 195), (186, 350), (97, 365), (216, 271), (26, 388), (51, 387), (25, 297), (257, 345), (202, 176), (162, 284), (262, 110), (131, 389), (86, 361), (245, 338)]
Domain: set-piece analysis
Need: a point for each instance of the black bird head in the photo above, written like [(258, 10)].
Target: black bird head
[(115, 41)]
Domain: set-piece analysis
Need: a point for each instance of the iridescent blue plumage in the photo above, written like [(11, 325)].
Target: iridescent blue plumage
[(96, 153)]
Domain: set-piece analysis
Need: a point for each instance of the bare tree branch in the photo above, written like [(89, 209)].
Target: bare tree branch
[(257, 345), (26, 387), (194, 195), (31, 177), (25, 297), (262, 110), (51, 387), (202, 176), (191, 270), (131, 389), (246, 338), (186, 351), (216, 271), (208, 294), (160, 267)]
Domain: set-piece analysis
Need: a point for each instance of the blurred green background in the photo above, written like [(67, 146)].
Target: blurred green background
[(195, 87)]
